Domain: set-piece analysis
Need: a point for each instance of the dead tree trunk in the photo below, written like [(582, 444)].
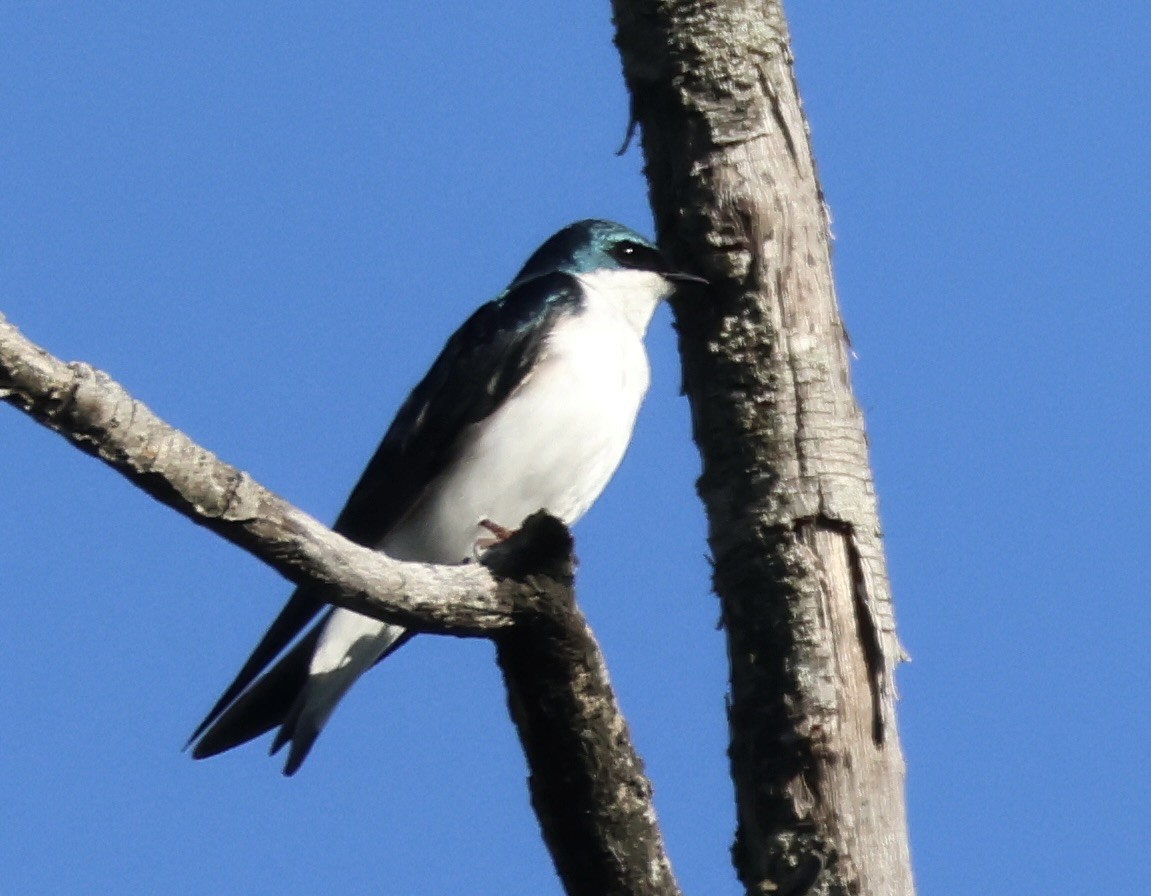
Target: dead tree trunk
[(793, 524)]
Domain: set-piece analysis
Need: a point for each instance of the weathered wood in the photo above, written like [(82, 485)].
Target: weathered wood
[(98, 416), (793, 522), (587, 784)]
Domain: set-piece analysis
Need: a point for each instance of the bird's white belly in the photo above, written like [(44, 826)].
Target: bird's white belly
[(553, 445)]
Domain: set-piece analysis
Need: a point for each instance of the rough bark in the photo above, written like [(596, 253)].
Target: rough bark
[(587, 783), (97, 415), (786, 482)]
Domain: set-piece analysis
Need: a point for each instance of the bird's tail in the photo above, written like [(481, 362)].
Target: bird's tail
[(265, 704), (323, 691), (293, 698)]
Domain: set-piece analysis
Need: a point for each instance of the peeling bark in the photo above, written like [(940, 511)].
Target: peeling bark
[(793, 521)]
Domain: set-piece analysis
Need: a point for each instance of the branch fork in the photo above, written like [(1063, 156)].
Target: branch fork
[(587, 783)]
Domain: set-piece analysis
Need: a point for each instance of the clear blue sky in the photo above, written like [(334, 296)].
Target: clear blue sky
[(266, 223)]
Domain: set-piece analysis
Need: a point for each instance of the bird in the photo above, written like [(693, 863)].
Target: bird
[(530, 405)]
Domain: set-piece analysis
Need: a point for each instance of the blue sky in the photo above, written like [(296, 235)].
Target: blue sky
[(266, 223)]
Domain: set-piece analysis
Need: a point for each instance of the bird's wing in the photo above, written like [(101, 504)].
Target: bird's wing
[(300, 609), (481, 365)]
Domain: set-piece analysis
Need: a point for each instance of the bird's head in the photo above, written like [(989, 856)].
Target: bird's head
[(587, 247), (611, 260)]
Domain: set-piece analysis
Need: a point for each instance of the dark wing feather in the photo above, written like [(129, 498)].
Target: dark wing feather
[(481, 365), (300, 609), (263, 706)]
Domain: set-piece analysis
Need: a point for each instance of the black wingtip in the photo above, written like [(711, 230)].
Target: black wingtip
[(302, 741), (268, 702), (300, 609)]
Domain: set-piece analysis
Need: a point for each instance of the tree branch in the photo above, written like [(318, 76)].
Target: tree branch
[(97, 415), (587, 783)]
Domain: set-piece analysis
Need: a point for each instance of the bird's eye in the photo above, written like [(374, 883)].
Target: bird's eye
[(637, 255)]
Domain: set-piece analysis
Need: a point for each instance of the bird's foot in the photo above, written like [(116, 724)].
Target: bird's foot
[(500, 534)]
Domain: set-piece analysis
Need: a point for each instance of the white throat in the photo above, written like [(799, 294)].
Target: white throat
[(633, 294)]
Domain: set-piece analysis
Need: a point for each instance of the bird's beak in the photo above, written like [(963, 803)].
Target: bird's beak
[(681, 277)]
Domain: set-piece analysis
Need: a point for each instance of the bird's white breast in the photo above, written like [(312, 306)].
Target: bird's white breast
[(556, 442)]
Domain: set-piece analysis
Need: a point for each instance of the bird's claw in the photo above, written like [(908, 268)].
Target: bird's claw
[(500, 533)]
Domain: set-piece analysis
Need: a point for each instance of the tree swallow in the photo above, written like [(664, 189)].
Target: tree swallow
[(530, 405)]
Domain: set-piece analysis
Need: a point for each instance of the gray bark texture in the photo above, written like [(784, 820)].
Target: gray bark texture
[(98, 416), (793, 523), (786, 482), (587, 783)]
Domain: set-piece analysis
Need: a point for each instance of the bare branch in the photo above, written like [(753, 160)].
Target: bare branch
[(588, 787), (587, 784), (96, 414)]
